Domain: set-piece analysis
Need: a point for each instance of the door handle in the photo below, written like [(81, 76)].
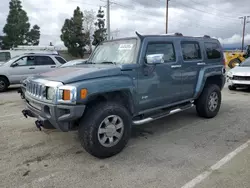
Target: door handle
[(53, 67), (175, 66), (32, 68), (202, 63)]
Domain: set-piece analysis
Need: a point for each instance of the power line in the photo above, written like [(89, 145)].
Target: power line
[(245, 21)]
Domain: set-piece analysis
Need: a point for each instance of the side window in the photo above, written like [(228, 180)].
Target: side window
[(44, 60), (4, 56), (26, 61), (162, 48), (212, 50), (191, 51), (61, 60)]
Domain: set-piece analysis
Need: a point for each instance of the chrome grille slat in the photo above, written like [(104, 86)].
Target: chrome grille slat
[(35, 89)]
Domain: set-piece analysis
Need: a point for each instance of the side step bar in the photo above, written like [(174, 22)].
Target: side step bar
[(161, 115)]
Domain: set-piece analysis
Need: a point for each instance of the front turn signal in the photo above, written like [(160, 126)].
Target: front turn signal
[(83, 93)]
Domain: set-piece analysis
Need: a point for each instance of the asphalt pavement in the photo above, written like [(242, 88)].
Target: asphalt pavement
[(168, 153)]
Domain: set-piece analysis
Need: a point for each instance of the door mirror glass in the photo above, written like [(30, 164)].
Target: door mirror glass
[(14, 64), (155, 58)]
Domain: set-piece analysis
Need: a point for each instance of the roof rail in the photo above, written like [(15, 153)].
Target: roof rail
[(206, 36), (178, 34)]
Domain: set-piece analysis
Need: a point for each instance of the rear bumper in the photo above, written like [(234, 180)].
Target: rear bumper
[(61, 117)]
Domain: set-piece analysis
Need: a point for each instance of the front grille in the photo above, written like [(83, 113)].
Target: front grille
[(36, 89), (241, 77)]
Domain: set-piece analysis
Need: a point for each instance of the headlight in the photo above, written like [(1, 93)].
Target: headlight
[(67, 94), (50, 93), (230, 74)]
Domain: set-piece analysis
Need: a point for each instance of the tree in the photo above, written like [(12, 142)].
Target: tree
[(17, 26), (1, 42), (100, 32), (33, 36), (88, 23), (73, 35)]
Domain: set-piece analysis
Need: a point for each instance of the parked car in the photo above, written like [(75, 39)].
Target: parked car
[(127, 82), (22, 66), (239, 76)]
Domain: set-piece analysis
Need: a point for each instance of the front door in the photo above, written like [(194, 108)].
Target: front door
[(159, 84), (25, 66)]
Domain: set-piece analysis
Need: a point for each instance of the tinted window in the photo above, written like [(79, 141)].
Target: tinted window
[(191, 51), (44, 60), (4, 56), (213, 50), (61, 60), (162, 48), (26, 61)]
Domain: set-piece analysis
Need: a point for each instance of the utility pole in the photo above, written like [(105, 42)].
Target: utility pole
[(108, 19), (167, 16), (245, 21)]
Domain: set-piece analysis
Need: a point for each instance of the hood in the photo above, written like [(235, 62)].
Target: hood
[(241, 71), (74, 74)]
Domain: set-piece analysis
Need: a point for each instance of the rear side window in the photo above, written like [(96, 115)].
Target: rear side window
[(61, 60), (162, 48), (212, 50), (44, 60), (4, 56), (191, 51)]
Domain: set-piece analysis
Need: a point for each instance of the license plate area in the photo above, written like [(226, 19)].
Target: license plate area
[(35, 105)]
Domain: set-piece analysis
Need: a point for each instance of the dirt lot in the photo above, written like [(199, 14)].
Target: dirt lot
[(166, 153)]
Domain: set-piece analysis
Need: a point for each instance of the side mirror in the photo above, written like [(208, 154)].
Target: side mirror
[(155, 59), (14, 65)]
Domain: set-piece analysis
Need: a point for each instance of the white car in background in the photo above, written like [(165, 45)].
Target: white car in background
[(239, 76), (20, 67)]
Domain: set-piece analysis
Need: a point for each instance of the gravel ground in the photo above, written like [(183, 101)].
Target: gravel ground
[(166, 153)]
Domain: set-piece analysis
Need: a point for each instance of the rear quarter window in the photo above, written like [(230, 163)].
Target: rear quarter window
[(213, 50), (61, 60)]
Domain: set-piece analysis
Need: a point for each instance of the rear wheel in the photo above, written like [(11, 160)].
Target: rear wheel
[(233, 63), (3, 84), (105, 129), (209, 102)]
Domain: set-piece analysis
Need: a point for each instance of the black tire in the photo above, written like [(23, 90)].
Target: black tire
[(89, 126), (231, 87), (4, 84), (232, 63), (202, 104)]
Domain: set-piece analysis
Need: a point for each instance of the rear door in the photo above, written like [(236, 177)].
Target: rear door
[(44, 64), (193, 61)]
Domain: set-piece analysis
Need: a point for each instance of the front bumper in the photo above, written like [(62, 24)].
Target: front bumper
[(61, 117), (238, 82)]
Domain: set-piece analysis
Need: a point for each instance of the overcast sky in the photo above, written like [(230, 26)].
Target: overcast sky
[(217, 18)]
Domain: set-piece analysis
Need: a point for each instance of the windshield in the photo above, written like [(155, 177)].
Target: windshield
[(245, 63), (114, 52), (74, 62)]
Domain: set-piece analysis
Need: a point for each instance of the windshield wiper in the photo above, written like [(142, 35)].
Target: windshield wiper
[(108, 62)]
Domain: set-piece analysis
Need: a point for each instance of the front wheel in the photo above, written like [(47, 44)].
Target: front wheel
[(208, 104), (105, 129), (232, 87)]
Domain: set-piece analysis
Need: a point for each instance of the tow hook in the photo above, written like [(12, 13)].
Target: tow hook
[(39, 124), (25, 113)]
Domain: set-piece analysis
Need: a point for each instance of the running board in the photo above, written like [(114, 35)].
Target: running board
[(161, 115)]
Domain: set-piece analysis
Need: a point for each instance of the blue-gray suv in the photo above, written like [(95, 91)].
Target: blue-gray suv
[(127, 82)]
